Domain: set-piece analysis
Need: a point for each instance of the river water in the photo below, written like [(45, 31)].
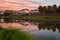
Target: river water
[(32, 28)]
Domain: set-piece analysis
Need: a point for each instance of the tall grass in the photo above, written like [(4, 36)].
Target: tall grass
[(14, 34)]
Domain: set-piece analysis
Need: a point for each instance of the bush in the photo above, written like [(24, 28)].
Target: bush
[(14, 34)]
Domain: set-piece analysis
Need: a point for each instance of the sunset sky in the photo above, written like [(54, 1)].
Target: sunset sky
[(21, 4)]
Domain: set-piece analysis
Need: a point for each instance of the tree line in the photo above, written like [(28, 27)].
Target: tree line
[(49, 9)]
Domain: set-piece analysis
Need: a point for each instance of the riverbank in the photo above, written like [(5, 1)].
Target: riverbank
[(41, 17), (14, 34)]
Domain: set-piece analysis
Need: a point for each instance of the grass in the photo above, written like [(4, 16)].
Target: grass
[(40, 17), (14, 34)]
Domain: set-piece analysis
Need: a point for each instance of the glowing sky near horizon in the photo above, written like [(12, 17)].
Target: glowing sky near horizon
[(21, 4)]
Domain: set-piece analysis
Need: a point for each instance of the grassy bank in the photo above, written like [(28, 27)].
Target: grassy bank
[(41, 17), (14, 34)]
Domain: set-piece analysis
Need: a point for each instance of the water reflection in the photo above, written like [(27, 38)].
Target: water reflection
[(46, 35), (49, 26), (25, 26)]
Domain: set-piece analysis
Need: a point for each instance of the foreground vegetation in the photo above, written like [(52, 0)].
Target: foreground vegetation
[(14, 34)]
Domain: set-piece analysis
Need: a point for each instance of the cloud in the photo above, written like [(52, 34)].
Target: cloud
[(18, 4)]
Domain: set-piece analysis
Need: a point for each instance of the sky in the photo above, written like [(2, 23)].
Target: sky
[(25, 4)]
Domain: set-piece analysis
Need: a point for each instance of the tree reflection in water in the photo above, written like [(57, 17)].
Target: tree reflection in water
[(49, 26)]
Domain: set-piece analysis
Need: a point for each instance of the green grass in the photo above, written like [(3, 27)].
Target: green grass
[(40, 17), (14, 34)]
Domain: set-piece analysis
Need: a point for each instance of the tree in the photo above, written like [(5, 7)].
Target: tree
[(40, 9), (58, 9), (49, 9), (8, 12), (54, 8), (44, 9)]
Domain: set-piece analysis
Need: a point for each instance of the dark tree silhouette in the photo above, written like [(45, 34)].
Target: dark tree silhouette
[(58, 9), (40, 9), (49, 9), (54, 8), (44, 9)]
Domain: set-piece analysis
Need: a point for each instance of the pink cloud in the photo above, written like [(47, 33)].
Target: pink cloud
[(18, 4)]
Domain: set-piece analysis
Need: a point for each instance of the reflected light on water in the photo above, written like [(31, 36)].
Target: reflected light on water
[(24, 27)]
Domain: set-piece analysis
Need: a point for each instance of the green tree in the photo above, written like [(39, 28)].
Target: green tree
[(7, 15), (8, 12)]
